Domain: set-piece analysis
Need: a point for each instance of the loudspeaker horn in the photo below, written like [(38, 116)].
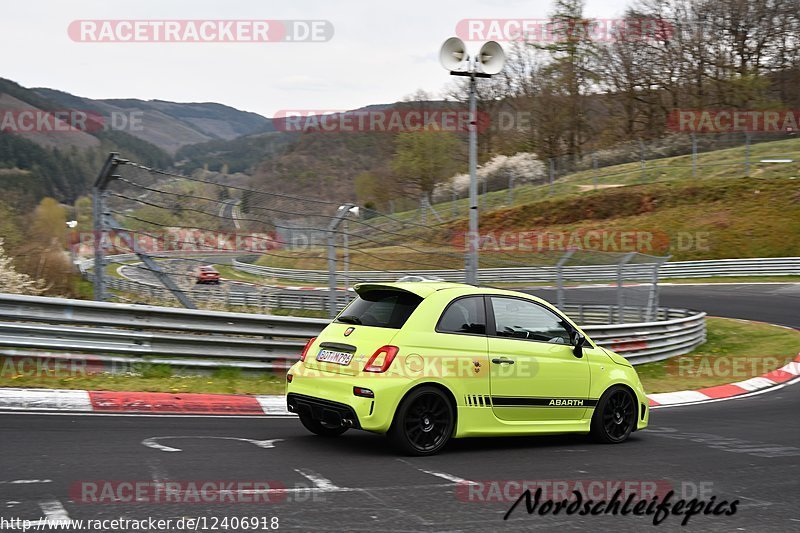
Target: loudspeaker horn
[(453, 54), (491, 58)]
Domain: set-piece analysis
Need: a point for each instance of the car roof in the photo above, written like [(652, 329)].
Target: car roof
[(424, 289)]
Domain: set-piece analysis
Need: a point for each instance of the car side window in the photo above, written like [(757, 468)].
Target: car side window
[(464, 315), (520, 319)]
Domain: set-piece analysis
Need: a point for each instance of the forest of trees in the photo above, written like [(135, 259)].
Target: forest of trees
[(576, 94), (583, 94), (568, 97)]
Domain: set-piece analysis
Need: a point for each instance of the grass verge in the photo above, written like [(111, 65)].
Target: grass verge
[(156, 378), (735, 350)]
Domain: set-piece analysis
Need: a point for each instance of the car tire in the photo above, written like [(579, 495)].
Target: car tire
[(614, 417), (320, 428), (423, 423)]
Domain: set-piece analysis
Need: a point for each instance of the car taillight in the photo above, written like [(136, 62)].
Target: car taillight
[(306, 348), (379, 364)]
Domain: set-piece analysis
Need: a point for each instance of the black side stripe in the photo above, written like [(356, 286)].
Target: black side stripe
[(472, 400), (527, 401)]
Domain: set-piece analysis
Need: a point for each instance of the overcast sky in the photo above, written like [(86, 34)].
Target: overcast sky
[(381, 50)]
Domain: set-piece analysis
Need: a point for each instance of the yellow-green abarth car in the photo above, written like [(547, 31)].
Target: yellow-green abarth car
[(423, 362)]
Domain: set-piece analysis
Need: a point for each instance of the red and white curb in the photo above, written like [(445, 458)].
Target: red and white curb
[(140, 402), (163, 403), (776, 377)]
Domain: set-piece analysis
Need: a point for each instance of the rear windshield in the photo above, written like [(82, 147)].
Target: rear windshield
[(382, 309)]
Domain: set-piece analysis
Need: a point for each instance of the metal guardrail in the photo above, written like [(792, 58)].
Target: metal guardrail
[(122, 333), (192, 338), (781, 266)]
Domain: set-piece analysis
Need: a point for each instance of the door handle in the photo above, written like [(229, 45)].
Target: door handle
[(502, 361)]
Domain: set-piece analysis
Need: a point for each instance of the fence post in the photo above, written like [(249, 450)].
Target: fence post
[(99, 224), (620, 294), (511, 188), (334, 223), (552, 173), (594, 169), (560, 278), (694, 155), (642, 160), (653, 310), (346, 242), (747, 154)]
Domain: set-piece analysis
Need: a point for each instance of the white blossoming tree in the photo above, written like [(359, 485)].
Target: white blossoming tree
[(15, 282), (525, 167)]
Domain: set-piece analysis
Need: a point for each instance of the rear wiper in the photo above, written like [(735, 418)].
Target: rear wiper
[(349, 319)]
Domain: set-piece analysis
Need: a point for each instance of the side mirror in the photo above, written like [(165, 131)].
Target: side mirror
[(579, 341)]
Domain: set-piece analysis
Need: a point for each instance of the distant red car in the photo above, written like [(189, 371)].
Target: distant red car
[(207, 274)]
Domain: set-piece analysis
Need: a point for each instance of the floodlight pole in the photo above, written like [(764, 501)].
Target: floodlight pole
[(490, 59), (472, 254), (473, 239)]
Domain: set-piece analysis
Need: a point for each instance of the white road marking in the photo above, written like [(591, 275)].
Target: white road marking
[(54, 511), (25, 481), (444, 475), (321, 483), (151, 442)]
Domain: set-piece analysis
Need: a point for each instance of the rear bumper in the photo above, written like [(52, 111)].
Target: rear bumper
[(333, 413), (334, 392)]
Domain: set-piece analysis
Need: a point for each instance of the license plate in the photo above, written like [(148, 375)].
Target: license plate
[(331, 356)]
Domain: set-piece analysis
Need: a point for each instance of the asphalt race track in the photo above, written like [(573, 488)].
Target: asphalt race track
[(776, 303), (745, 449)]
